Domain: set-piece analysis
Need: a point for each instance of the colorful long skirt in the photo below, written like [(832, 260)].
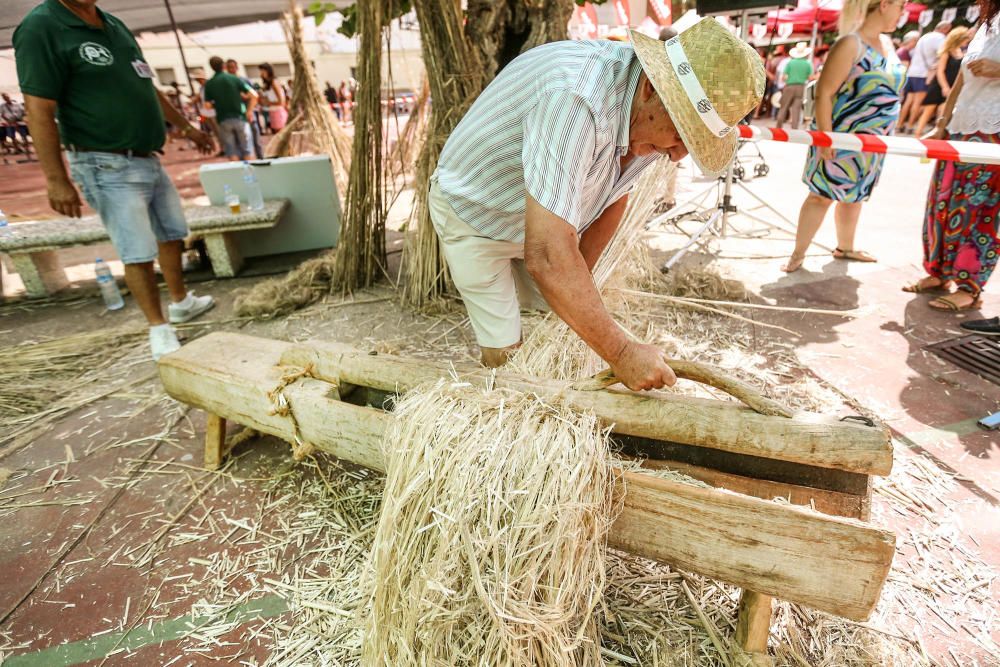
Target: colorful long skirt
[(961, 221)]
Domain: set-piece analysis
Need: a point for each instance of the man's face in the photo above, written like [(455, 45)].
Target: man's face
[(652, 130), (80, 4), (232, 67)]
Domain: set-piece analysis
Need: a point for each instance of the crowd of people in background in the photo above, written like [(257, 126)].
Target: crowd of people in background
[(264, 105), (948, 80)]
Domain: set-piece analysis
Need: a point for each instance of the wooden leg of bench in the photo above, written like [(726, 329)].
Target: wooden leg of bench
[(753, 626), (40, 272), (224, 254), (215, 442)]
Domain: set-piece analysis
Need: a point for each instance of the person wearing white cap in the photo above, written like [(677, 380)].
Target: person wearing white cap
[(532, 183), (795, 76)]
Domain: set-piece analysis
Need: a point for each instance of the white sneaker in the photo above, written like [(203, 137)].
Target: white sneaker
[(163, 340), (191, 307)]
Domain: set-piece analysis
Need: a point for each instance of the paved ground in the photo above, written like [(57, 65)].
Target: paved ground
[(86, 523)]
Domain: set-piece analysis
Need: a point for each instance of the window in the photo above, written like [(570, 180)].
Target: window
[(166, 75)]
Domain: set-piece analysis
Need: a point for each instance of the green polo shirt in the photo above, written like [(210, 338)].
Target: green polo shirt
[(100, 81), (224, 92), (798, 71)]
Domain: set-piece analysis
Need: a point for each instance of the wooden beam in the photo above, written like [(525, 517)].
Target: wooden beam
[(806, 438), (832, 564), (828, 502), (215, 441), (753, 622)]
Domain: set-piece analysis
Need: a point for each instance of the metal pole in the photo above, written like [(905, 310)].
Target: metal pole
[(180, 47)]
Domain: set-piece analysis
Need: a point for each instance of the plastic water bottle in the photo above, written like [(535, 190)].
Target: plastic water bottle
[(255, 200), (232, 199), (5, 229), (109, 288)]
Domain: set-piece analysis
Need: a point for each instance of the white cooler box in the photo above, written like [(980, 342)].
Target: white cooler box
[(313, 218)]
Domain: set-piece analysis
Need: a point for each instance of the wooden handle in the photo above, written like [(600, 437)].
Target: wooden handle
[(705, 374)]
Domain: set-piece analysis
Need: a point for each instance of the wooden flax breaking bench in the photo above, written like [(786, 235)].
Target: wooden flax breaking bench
[(830, 559), (33, 245)]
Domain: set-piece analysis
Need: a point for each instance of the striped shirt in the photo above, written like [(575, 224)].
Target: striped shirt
[(553, 124)]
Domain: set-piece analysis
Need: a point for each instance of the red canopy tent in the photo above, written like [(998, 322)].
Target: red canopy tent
[(825, 13)]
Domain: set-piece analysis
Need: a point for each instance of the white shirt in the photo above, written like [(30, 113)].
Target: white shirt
[(553, 124), (978, 106), (924, 56)]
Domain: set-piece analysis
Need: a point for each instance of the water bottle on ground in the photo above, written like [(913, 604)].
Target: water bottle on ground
[(5, 229), (109, 288), (255, 200), (232, 199)]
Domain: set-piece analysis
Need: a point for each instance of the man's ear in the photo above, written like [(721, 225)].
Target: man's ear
[(647, 90)]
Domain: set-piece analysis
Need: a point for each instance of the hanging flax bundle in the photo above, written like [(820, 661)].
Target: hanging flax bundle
[(360, 254), (456, 78), (311, 117), (490, 547), (361, 250)]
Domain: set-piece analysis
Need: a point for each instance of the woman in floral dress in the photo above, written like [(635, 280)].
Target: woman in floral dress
[(961, 242)]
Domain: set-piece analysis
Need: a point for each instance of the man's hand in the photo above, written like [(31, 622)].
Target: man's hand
[(250, 117), (201, 139), (64, 198), (641, 367), (986, 68)]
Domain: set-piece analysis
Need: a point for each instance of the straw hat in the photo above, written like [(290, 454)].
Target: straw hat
[(801, 50), (708, 81)]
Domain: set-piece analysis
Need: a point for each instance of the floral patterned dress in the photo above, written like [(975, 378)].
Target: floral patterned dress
[(961, 225), (867, 103)]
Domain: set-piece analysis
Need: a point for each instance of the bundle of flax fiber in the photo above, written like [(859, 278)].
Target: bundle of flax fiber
[(490, 547)]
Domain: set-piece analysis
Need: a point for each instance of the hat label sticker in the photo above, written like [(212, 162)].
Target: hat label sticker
[(693, 89)]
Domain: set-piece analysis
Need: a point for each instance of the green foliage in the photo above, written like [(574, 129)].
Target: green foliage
[(349, 28)]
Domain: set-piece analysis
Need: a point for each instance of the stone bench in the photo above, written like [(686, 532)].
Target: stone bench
[(33, 245)]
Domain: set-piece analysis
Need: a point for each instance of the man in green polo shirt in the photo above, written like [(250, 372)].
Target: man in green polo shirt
[(233, 100), (82, 66), (796, 74)]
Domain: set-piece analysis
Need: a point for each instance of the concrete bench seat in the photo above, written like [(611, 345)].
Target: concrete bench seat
[(33, 245)]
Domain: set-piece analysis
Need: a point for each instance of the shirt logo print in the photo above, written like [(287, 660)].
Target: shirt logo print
[(96, 54)]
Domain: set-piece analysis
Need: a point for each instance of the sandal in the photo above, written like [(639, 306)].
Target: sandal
[(924, 285), (945, 303), (853, 255), (794, 263)]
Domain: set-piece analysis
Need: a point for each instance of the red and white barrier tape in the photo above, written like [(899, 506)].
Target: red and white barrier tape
[(935, 149)]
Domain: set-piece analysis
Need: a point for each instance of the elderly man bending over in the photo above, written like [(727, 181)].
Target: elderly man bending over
[(533, 182)]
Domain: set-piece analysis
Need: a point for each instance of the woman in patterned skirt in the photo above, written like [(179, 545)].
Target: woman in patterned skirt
[(859, 93), (963, 203)]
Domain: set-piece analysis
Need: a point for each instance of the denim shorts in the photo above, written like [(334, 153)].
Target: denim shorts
[(916, 84), (138, 204), (236, 139)]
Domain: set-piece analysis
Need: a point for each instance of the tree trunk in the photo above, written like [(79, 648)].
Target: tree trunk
[(502, 30), (461, 61)]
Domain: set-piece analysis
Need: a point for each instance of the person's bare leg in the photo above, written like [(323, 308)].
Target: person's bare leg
[(141, 282), (915, 108), (846, 215), (810, 218), (495, 357), (904, 113), (926, 114), (170, 266)]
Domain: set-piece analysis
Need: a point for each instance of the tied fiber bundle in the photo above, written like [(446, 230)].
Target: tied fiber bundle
[(490, 548), (311, 116)]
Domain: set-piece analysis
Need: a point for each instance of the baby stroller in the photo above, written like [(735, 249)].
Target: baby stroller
[(754, 160)]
